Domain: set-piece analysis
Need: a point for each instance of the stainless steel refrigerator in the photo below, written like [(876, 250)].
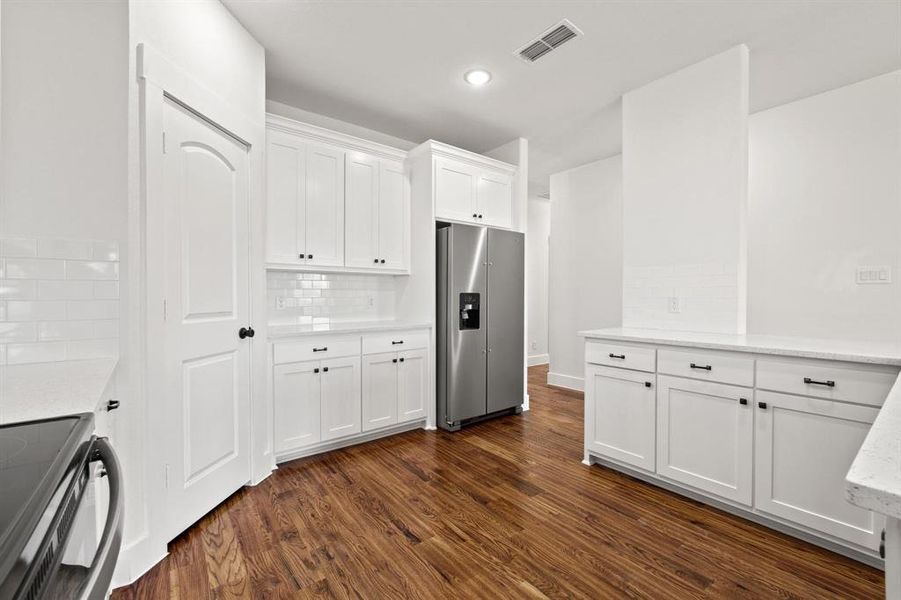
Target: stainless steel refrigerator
[(481, 306)]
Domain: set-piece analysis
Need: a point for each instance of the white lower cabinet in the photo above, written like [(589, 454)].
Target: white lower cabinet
[(340, 399), (804, 448), (296, 412), (705, 436), (327, 393), (395, 388), (620, 415)]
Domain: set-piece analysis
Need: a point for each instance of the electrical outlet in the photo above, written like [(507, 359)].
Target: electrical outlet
[(674, 304), (874, 274)]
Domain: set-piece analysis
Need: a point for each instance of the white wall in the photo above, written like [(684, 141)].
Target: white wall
[(685, 165), (825, 198), (585, 262), (537, 242), (64, 113)]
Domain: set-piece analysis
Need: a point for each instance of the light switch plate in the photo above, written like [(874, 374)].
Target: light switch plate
[(873, 274)]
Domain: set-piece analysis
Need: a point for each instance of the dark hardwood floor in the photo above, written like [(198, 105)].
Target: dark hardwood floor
[(502, 509)]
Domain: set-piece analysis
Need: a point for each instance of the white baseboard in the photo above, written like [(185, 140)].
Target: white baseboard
[(352, 440), (136, 558), (566, 381), (539, 359)]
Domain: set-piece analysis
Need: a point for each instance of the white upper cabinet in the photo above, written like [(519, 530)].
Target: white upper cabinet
[(472, 188), (334, 202), (324, 219)]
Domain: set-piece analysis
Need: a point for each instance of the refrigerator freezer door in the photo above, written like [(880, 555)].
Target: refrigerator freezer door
[(467, 264), (506, 313)]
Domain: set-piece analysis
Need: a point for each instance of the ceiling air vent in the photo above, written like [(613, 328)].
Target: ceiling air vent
[(550, 40)]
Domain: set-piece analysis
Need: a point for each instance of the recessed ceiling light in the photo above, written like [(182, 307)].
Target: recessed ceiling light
[(477, 77)]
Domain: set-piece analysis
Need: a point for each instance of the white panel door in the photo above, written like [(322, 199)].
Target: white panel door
[(285, 159), (324, 220), (804, 448), (379, 390), (620, 415), (340, 398), (393, 217), (205, 174), (455, 190), (296, 411), (361, 211), (494, 200), (705, 436), (413, 385)]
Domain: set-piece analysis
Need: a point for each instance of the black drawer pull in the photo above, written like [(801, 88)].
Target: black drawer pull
[(325, 369), (401, 360), (620, 356), (323, 349), (394, 360), (647, 384), (810, 381), (702, 367), (375, 260), (761, 405), (316, 370), (112, 405), (393, 343), (743, 401), (309, 256)]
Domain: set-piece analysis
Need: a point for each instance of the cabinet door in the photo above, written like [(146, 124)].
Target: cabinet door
[(705, 436), (340, 406), (393, 219), (620, 414), (494, 200), (361, 211), (324, 216), (285, 189), (804, 448), (379, 390), (296, 405), (455, 190), (413, 392)]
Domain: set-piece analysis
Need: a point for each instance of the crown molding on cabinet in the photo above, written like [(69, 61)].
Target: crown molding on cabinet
[(327, 136), (477, 160)]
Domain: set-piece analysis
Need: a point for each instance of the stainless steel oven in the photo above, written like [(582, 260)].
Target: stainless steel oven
[(60, 510)]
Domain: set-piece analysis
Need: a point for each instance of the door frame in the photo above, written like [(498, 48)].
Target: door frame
[(157, 79)]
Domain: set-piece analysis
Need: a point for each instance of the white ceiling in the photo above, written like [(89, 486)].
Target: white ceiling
[(397, 66)]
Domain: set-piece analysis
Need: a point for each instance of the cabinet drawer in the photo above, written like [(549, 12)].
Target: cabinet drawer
[(725, 367), (316, 348), (861, 384), (627, 356), (393, 341)]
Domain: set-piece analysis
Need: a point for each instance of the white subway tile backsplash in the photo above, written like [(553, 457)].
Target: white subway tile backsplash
[(65, 290), (92, 270), (18, 289), (34, 268), (18, 247), (324, 297), (59, 299), (35, 310)]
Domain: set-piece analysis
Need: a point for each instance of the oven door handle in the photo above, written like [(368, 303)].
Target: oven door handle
[(104, 564)]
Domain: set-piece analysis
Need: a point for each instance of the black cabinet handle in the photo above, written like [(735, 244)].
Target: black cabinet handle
[(325, 369), (382, 261), (703, 367), (647, 384), (394, 343), (810, 381), (401, 360), (375, 260), (112, 405), (761, 405), (743, 401), (882, 546), (323, 349), (309, 256), (246, 332), (394, 360), (475, 216), (480, 216), (316, 370), (612, 355), (301, 255)]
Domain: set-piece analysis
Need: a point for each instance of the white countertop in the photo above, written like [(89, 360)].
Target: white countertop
[(826, 349), (288, 331), (874, 480), (45, 390)]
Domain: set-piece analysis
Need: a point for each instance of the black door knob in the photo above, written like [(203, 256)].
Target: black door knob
[(246, 332)]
